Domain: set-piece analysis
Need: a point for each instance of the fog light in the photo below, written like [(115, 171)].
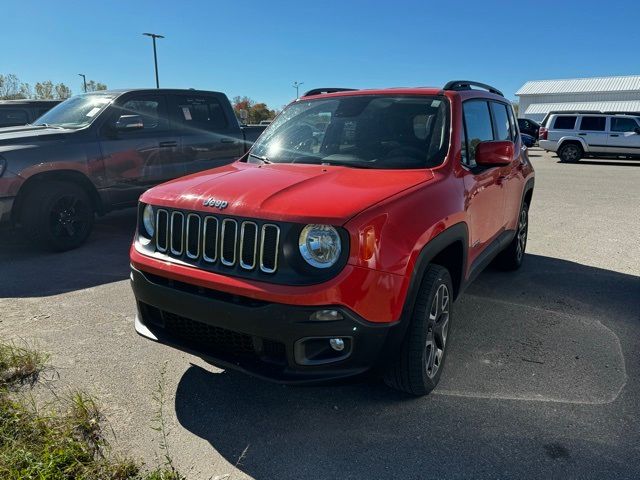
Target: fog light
[(337, 344), (326, 315)]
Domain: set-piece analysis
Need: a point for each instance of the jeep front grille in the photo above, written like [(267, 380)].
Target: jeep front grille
[(212, 239)]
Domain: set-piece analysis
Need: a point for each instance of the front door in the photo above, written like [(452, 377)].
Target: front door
[(485, 192), (209, 138), (139, 159), (624, 136)]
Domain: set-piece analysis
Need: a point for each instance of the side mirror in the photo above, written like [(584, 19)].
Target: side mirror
[(637, 130), (127, 123), (494, 153)]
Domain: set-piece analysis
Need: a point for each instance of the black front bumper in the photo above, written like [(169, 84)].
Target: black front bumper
[(270, 340)]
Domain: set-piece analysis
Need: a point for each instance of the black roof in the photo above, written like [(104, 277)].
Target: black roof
[(120, 91)]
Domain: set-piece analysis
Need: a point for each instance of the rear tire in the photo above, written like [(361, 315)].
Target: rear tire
[(58, 216), (418, 367), (511, 257), (570, 153)]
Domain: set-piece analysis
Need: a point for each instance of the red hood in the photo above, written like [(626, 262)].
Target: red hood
[(286, 192)]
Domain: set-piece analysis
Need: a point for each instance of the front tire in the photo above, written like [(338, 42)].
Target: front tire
[(418, 366), (58, 216)]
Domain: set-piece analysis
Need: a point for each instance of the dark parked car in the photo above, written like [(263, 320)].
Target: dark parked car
[(21, 112), (99, 151), (529, 127), (527, 140)]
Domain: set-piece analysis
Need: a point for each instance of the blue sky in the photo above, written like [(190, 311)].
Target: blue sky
[(259, 48)]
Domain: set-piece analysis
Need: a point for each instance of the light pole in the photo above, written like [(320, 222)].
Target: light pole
[(155, 55), (84, 81), (296, 85)]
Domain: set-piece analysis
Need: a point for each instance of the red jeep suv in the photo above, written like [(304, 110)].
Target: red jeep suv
[(339, 242)]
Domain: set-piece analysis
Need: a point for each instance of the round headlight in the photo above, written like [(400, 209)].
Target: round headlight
[(320, 245), (149, 220)]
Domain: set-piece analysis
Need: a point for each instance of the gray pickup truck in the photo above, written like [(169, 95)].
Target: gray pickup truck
[(99, 151)]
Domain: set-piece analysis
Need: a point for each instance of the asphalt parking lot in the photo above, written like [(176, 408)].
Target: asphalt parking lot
[(542, 379)]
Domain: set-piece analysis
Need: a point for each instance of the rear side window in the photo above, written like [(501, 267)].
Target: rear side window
[(593, 123), (10, 117), (623, 125), (201, 113), (565, 123), (502, 124), (478, 126)]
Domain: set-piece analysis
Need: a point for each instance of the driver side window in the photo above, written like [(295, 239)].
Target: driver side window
[(151, 109), (478, 128)]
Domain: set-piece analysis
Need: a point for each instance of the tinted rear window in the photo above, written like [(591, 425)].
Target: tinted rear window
[(593, 123), (10, 117), (565, 123)]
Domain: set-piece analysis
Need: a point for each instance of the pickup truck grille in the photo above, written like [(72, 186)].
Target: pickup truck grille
[(218, 240)]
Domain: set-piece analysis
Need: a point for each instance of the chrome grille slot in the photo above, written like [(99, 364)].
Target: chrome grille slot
[(210, 239), (193, 236), (177, 233), (248, 245), (269, 245), (228, 242), (204, 240), (162, 230)]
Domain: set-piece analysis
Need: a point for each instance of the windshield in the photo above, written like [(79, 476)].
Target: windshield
[(76, 112), (362, 131)]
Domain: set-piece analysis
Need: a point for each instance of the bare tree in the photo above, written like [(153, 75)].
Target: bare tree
[(62, 91), (93, 86), (10, 87), (44, 90)]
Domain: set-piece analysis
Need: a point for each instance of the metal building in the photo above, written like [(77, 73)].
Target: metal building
[(602, 94)]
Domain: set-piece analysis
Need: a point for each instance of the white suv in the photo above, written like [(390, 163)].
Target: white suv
[(577, 135)]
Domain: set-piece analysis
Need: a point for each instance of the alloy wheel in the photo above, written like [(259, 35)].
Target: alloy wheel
[(437, 330), (69, 217), (522, 234)]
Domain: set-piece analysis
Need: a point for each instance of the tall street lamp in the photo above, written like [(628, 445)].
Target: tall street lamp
[(296, 85), (84, 81), (155, 55)]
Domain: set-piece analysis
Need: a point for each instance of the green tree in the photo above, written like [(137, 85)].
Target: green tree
[(248, 110)]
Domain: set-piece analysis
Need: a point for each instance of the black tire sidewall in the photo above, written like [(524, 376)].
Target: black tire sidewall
[(563, 149)]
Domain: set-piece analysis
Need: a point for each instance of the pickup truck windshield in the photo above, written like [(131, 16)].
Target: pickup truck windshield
[(76, 112), (360, 131)]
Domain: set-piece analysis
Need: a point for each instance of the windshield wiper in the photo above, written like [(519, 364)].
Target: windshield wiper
[(262, 158), (48, 125)]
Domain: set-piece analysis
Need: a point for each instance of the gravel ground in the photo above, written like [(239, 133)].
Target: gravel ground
[(541, 381)]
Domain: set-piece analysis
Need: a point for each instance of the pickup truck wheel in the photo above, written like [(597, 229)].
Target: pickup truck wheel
[(419, 364), (570, 152), (58, 217), (511, 257)]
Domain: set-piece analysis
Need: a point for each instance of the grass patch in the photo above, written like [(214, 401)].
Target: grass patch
[(67, 441), (20, 365)]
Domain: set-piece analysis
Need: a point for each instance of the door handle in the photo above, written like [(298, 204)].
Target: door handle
[(168, 144), (228, 140), (582, 134), (615, 135)]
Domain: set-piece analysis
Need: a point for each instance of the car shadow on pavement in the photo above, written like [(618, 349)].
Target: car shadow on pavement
[(26, 271), (603, 162), (365, 430)]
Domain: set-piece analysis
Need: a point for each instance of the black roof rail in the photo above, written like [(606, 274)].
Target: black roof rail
[(467, 84), (319, 91), (592, 112)]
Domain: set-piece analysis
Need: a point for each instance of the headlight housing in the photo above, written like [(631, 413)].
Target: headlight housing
[(320, 245), (149, 221)]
